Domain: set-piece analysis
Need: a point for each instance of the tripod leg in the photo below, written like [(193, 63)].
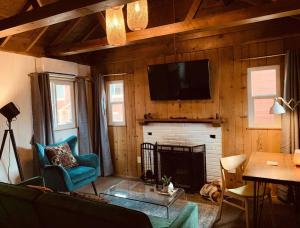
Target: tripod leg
[(3, 142), (13, 141)]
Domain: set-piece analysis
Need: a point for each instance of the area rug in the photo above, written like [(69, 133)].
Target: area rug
[(207, 213)]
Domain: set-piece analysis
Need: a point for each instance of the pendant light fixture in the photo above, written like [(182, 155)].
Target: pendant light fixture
[(115, 26), (137, 15)]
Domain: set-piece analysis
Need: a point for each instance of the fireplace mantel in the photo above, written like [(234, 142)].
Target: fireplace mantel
[(214, 122)]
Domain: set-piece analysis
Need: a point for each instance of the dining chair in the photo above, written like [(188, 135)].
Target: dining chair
[(242, 194)]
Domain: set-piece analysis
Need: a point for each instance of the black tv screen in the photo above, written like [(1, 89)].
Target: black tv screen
[(180, 81)]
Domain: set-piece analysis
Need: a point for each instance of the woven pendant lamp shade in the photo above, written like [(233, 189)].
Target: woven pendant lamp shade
[(115, 26), (137, 15)]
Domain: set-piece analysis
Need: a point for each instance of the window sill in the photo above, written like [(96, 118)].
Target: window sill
[(263, 128), (117, 125), (65, 129)]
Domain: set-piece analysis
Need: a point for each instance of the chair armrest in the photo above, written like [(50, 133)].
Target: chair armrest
[(90, 160), (57, 178), (37, 181)]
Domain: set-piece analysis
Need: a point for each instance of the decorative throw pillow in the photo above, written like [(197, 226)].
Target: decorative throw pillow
[(61, 155), (89, 197), (41, 188)]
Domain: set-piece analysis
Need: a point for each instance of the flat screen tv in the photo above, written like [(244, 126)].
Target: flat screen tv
[(180, 81)]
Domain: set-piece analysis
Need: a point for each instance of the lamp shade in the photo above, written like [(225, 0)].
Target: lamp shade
[(137, 15), (115, 26), (277, 108)]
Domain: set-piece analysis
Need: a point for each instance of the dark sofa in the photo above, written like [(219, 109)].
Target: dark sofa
[(24, 207)]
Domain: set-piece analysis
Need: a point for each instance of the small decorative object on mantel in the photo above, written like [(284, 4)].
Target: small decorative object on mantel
[(296, 158), (148, 116)]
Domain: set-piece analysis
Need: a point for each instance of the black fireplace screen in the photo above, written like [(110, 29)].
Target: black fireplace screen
[(149, 162), (185, 164)]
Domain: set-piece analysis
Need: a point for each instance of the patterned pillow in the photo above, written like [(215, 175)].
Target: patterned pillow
[(61, 155), (90, 197)]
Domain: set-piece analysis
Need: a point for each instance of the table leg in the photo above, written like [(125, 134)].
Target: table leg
[(168, 215), (262, 204), (297, 203), (256, 203)]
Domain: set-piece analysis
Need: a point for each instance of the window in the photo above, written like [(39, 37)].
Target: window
[(116, 105), (63, 104), (263, 86)]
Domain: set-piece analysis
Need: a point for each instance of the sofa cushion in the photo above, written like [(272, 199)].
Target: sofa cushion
[(16, 207), (80, 173), (60, 210), (61, 155)]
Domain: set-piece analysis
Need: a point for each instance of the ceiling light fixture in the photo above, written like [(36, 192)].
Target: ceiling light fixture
[(137, 15), (115, 26)]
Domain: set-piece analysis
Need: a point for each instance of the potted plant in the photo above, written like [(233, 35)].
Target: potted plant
[(165, 182)]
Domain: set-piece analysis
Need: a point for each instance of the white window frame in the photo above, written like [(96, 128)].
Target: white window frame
[(110, 118), (53, 82), (251, 124)]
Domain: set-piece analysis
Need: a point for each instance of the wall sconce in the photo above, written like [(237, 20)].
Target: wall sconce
[(279, 109)]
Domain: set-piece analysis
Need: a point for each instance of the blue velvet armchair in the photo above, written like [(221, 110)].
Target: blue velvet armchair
[(63, 179)]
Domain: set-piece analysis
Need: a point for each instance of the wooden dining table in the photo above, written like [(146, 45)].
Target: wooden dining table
[(276, 168)]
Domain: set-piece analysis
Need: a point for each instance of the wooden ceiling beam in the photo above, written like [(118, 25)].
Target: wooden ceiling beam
[(226, 2), (101, 19), (193, 9), (66, 31), (87, 36), (25, 8), (207, 23), (34, 4), (37, 38), (54, 13)]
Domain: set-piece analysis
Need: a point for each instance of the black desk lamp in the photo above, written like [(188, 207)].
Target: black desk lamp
[(10, 111)]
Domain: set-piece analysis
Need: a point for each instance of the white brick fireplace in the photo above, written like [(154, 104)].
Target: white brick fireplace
[(190, 134)]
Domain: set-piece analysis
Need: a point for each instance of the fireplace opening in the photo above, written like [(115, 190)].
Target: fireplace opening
[(185, 164)]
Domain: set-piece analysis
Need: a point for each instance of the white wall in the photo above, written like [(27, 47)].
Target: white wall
[(15, 87), (190, 134)]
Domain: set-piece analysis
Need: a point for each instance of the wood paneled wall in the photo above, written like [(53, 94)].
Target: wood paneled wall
[(229, 84)]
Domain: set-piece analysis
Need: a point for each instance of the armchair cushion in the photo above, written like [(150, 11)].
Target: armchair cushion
[(61, 155), (80, 173), (90, 160)]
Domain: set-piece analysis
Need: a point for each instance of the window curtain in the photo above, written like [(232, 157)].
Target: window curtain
[(41, 109), (84, 138), (290, 120), (101, 141), (41, 112)]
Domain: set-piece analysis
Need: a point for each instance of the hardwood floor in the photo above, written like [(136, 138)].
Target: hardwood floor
[(276, 215)]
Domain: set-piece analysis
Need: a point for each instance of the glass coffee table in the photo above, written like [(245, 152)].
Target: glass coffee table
[(141, 192)]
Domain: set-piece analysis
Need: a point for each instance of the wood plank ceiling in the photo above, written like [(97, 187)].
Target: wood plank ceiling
[(65, 27)]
